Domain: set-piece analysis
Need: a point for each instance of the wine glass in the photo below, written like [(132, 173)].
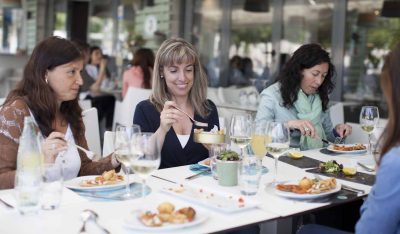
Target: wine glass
[(148, 156), (278, 142), (123, 152), (369, 117), (240, 131)]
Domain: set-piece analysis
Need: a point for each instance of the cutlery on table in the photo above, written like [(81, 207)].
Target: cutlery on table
[(8, 205), (349, 188), (197, 175), (195, 122), (95, 216), (366, 167), (85, 215)]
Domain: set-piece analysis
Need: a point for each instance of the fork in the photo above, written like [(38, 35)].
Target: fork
[(90, 154), (6, 204), (195, 122)]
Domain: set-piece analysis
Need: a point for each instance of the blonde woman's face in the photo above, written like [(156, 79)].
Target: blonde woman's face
[(179, 78)]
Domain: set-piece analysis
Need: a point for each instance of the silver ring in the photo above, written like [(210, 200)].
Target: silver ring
[(53, 146), (167, 115), (306, 129)]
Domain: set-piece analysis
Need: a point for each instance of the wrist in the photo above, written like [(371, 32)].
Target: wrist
[(114, 161)]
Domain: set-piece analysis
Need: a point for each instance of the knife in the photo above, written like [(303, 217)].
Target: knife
[(348, 188), (197, 175)]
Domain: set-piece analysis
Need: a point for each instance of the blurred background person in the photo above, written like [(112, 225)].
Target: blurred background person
[(140, 73), (48, 92)]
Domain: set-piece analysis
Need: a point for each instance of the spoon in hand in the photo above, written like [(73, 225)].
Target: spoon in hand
[(195, 122)]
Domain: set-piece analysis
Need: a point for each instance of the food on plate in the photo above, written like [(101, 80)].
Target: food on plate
[(330, 167), (349, 171), (228, 155), (349, 147), (167, 214), (107, 178), (214, 136), (207, 162), (295, 154), (166, 207), (309, 186)]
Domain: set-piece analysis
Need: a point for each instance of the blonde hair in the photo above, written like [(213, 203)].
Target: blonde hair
[(177, 51)]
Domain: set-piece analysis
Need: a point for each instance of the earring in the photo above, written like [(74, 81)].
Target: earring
[(47, 81), (162, 77)]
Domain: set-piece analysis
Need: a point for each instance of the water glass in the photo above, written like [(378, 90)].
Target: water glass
[(52, 186), (27, 191), (249, 175)]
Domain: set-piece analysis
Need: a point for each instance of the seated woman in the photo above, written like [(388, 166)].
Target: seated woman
[(48, 92), (139, 75), (300, 97), (380, 213), (178, 81)]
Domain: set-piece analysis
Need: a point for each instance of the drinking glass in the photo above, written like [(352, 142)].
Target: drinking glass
[(369, 117), (250, 175), (148, 157), (240, 131), (259, 139), (123, 152), (278, 143), (52, 186)]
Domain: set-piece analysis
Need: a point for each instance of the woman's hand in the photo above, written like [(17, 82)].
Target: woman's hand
[(53, 145), (169, 115), (305, 126), (343, 130)]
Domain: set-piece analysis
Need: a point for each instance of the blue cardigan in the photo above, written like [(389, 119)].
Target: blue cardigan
[(380, 213), (172, 153)]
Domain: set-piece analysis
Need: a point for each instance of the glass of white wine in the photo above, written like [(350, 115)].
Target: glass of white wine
[(148, 157), (123, 152), (279, 139), (240, 131), (369, 117)]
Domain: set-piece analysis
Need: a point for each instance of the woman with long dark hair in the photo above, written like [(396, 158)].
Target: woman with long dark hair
[(48, 92), (139, 75), (300, 97)]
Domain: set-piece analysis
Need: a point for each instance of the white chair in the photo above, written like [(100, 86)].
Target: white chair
[(92, 133), (108, 143), (336, 112), (2, 100), (125, 109), (85, 104), (357, 135)]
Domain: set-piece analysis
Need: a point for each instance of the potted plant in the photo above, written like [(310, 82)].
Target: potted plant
[(227, 168)]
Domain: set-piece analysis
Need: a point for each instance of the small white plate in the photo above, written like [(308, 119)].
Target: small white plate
[(204, 162), (132, 221), (217, 200), (330, 148), (306, 196), (74, 184)]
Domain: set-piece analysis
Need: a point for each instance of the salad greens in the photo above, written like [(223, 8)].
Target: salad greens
[(331, 167), (228, 155)]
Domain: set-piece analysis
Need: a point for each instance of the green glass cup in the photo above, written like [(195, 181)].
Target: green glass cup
[(227, 172)]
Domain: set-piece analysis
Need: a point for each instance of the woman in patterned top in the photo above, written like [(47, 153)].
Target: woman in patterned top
[(48, 92)]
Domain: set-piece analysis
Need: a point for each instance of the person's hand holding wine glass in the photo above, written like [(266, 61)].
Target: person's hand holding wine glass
[(369, 117)]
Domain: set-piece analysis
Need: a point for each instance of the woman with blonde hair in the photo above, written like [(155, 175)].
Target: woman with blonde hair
[(178, 82)]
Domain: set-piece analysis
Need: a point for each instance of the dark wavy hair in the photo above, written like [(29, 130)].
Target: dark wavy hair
[(307, 56), (390, 84), (40, 97), (144, 58)]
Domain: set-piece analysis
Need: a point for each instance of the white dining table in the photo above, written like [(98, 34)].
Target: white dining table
[(112, 214)]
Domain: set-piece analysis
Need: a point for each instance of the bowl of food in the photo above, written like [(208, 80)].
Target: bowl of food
[(214, 136)]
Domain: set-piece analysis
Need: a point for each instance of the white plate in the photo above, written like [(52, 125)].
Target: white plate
[(219, 201), (306, 196), (134, 223), (74, 184), (202, 162), (330, 148)]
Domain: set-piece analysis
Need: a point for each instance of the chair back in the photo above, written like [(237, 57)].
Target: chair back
[(108, 143), (336, 112), (2, 100), (357, 135), (85, 104), (92, 133), (124, 111)]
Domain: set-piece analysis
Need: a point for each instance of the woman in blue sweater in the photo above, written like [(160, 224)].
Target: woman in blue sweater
[(380, 213), (178, 81)]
